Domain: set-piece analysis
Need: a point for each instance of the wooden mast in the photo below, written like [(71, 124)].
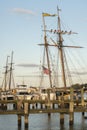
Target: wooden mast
[(60, 47), (6, 71), (46, 48), (59, 44), (11, 70)]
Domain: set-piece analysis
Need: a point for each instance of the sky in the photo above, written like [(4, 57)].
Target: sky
[(21, 29)]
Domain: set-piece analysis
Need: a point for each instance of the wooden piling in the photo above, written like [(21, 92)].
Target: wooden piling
[(26, 114), (61, 118), (49, 103), (82, 99), (62, 106), (26, 121), (19, 120), (19, 104), (71, 119)]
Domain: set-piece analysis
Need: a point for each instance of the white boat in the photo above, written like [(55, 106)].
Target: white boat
[(22, 93), (7, 95)]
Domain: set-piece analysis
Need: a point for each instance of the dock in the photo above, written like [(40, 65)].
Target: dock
[(62, 106)]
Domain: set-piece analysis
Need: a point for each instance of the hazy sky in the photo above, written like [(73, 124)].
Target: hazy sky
[(20, 27)]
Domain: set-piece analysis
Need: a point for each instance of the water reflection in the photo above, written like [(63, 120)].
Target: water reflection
[(44, 122), (26, 129), (20, 128), (62, 127), (71, 127)]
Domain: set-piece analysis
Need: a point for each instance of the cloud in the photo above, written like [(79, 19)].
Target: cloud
[(79, 73), (29, 76), (27, 65), (23, 11)]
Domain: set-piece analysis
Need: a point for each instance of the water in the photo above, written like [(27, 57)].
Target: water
[(43, 122)]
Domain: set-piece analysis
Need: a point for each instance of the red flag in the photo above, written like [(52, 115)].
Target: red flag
[(45, 70)]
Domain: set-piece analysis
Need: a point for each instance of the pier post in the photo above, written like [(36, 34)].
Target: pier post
[(82, 99), (19, 104), (19, 120), (61, 118), (26, 121), (71, 119), (26, 114), (49, 103), (62, 106)]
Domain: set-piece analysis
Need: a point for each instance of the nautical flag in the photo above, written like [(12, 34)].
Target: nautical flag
[(46, 14), (46, 71)]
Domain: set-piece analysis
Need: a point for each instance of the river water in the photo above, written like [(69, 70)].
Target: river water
[(43, 122)]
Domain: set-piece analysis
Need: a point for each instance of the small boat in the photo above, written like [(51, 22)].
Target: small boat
[(7, 95), (22, 92)]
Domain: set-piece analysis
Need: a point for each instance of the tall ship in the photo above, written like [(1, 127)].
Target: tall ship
[(55, 65)]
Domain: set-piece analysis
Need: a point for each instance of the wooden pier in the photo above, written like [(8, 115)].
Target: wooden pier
[(62, 106)]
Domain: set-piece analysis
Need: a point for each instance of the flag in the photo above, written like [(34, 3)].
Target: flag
[(46, 14), (46, 71)]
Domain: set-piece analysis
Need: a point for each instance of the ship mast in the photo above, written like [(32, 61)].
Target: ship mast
[(11, 71), (6, 71), (46, 48), (60, 47), (59, 44)]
